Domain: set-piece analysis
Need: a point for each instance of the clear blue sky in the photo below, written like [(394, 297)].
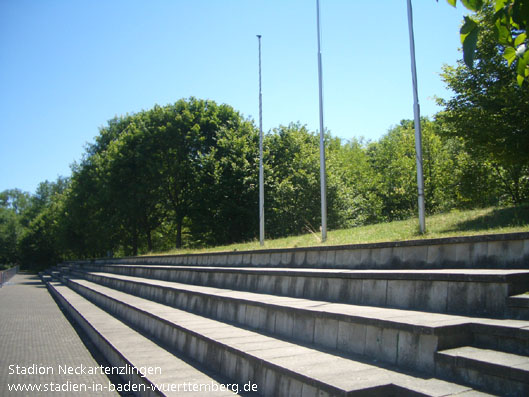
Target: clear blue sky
[(68, 66)]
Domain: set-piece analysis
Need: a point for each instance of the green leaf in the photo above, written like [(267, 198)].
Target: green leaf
[(469, 38), (521, 67), (522, 70), (468, 27), (500, 4), (503, 33), (474, 5), (451, 2), (520, 39), (510, 55)]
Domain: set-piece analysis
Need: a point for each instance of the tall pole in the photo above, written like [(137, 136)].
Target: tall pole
[(323, 182), (261, 172), (417, 114)]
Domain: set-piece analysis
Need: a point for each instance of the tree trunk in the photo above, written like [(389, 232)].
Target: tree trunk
[(149, 240), (135, 243), (179, 222)]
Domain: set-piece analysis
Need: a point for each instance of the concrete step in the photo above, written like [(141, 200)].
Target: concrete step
[(473, 292), (518, 306), (146, 368), (405, 338), (508, 336), (503, 373), (278, 367), (499, 251)]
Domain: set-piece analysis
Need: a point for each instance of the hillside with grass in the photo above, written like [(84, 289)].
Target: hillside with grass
[(492, 220)]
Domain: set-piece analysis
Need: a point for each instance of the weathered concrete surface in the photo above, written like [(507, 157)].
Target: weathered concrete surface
[(277, 366), (126, 347), (508, 373), (460, 291), (518, 306), (410, 337), (485, 251)]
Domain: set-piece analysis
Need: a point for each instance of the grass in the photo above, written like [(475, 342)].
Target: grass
[(455, 223)]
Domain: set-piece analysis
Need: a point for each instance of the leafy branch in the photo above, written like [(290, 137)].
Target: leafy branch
[(511, 20)]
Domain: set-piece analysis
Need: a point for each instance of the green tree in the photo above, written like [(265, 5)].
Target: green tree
[(227, 210), (28, 225), (393, 161), (42, 198), (292, 187), (292, 182), (185, 135), (490, 113), (10, 230), (132, 184), (353, 181), (13, 205), (88, 222), (510, 20), (40, 243), (161, 173), (16, 200)]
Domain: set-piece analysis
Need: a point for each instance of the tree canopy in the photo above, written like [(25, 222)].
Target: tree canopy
[(489, 111), (510, 21)]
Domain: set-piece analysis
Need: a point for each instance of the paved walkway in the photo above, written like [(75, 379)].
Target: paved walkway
[(36, 337)]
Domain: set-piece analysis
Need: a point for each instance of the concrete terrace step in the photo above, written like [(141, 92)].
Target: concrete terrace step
[(333, 320), (518, 306), (495, 251), (476, 292), (163, 373), (382, 343), (506, 374), (278, 367), (381, 333), (404, 338), (521, 300), (303, 319)]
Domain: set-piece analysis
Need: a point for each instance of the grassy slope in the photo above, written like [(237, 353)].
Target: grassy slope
[(455, 223)]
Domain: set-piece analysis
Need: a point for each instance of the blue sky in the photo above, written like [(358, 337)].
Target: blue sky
[(68, 66)]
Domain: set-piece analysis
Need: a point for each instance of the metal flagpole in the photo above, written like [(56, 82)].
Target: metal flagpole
[(261, 172), (323, 181), (417, 114)]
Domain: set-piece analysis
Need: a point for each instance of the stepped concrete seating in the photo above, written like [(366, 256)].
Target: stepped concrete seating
[(310, 331)]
